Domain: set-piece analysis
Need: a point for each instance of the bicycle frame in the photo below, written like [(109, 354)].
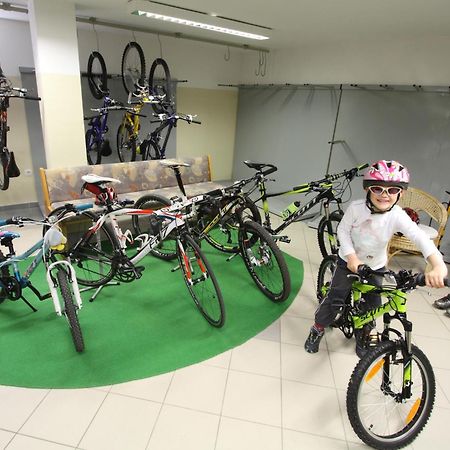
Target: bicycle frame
[(23, 280), (325, 193)]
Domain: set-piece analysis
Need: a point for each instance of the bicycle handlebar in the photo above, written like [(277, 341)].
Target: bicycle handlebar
[(405, 279), (177, 116)]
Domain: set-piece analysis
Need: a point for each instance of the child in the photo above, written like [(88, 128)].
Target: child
[(364, 234)]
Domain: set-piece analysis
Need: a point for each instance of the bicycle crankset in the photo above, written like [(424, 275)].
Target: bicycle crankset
[(11, 288)]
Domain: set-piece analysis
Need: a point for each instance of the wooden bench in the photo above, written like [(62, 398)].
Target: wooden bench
[(63, 185)]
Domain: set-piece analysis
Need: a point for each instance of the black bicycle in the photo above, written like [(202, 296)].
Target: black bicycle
[(150, 147), (223, 218), (9, 167), (329, 189)]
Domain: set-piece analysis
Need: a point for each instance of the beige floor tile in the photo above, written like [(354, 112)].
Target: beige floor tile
[(418, 302), (64, 415), (198, 387), (257, 356), (295, 440), (28, 443), (428, 325), (303, 306), (184, 429), (295, 330), (434, 435), (349, 433), (298, 365), (153, 388), (5, 437), (255, 398), (241, 435), (443, 382), (312, 409), (272, 332), (343, 365), (17, 404), (121, 423), (222, 360), (337, 342), (436, 350)]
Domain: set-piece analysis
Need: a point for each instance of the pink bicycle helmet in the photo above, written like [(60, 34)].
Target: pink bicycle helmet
[(386, 173)]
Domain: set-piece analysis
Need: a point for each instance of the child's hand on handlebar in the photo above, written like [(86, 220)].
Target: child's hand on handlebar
[(353, 262)]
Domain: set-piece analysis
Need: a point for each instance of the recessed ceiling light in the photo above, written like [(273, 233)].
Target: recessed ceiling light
[(203, 26)]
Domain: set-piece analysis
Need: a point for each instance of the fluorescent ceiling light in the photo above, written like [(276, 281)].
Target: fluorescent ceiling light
[(203, 26)]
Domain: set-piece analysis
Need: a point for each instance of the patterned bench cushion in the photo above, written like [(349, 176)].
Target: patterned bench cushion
[(63, 185)]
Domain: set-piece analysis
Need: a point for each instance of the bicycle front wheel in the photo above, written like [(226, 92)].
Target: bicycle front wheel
[(97, 75), (91, 253), (166, 249), (133, 67), (93, 148), (159, 81), (327, 234), (126, 147), (70, 309), (264, 261), (325, 275), (224, 236), (4, 177), (201, 281), (380, 413)]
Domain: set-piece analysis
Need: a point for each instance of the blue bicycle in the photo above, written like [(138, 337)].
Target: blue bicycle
[(60, 276)]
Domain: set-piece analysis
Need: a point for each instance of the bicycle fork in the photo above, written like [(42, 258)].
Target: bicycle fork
[(188, 268), (407, 365), (51, 280)]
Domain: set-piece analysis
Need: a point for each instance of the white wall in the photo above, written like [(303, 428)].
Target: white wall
[(417, 60)]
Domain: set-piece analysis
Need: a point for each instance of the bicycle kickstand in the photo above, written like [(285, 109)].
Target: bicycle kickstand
[(28, 303)]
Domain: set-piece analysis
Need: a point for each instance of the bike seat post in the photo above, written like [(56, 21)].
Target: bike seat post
[(179, 180)]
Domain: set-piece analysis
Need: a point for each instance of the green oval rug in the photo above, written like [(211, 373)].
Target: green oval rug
[(132, 331)]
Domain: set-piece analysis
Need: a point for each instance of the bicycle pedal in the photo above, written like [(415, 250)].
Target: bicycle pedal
[(285, 239)]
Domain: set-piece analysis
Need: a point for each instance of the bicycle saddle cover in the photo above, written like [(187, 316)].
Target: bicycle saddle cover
[(92, 178)]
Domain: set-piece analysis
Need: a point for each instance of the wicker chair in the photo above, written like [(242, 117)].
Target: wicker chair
[(421, 202)]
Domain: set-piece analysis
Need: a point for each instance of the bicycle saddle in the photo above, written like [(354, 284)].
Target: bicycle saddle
[(92, 178), (260, 166), (173, 163)]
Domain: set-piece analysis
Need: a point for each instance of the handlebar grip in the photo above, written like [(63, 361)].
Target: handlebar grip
[(31, 97), (196, 121), (420, 279), (363, 166)]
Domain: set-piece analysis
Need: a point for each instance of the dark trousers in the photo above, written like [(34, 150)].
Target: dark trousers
[(340, 288)]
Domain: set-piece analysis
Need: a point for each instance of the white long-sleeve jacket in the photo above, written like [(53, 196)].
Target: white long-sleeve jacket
[(367, 235)]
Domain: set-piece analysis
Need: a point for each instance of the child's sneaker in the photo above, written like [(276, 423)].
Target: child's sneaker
[(313, 341)]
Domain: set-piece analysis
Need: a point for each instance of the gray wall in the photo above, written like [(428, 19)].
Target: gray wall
[(291, 127)]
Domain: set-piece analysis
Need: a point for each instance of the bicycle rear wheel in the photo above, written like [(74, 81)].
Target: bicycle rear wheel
[(324, 276), (4, 177), (201, 281), (166, 249), (126, 147), (327, 234), (224, 236), (93, 147), (133, 67), (91, 253), (377, 407), (97, 75), (70, 309), (159, 81), (264, 261)]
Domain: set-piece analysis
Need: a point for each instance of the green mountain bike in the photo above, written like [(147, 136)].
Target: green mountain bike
[(391, 391)]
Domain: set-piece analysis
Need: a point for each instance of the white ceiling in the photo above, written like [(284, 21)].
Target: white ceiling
[(293, 22)]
